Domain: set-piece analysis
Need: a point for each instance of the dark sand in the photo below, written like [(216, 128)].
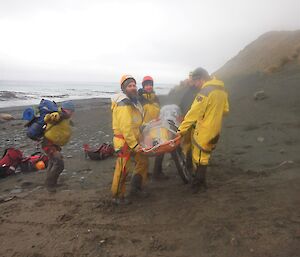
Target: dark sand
[(252, 207)]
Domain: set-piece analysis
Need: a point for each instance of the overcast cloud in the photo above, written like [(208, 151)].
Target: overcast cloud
[(91, 40)]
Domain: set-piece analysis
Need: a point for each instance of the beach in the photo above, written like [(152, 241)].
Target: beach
[(231, 67), (250, 209)]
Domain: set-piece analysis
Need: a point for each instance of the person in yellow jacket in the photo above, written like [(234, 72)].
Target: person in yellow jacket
[(127, 118), (151, 107), (149, 100), (205, 115), (185, 105), (57, 133)]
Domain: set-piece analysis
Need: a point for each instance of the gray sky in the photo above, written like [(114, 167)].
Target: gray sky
[(89, 40)]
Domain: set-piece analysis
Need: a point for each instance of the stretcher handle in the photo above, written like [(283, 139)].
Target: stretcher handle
[(172, 141)]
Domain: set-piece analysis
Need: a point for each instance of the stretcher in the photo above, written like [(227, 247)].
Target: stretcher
[(159, 137)]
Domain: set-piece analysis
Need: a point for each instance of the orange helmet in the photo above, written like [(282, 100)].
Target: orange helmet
[(126, 77)]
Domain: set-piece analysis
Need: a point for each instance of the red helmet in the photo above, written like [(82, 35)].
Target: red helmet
[(146, 79)]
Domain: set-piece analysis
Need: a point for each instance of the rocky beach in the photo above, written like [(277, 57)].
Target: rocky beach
[(251, 208)]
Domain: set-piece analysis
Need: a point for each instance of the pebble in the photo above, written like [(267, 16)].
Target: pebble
[(281, 151), (260, 139), (102, 241), (16, 191), (233, 241), (260, 95)]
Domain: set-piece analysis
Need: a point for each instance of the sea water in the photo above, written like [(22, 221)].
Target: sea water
[(21, 93)]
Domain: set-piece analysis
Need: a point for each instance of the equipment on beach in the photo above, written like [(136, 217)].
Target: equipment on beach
[(36, 125), (28, 114), (40, 165), (11, 159), (37, 161), (102, 152)]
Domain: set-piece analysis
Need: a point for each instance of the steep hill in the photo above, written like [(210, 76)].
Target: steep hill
[(268, 54)]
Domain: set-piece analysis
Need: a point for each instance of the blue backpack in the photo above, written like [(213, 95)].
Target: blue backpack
[(36, 125)]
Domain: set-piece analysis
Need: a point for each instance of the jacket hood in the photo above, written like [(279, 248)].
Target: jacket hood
[(118, 97), (213, 82)]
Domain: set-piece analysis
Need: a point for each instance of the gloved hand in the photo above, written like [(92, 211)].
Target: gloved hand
[(52, 117), (178, 134), (138, 149)]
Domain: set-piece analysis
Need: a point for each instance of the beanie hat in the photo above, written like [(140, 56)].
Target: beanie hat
[(126, 80), (200, 73)]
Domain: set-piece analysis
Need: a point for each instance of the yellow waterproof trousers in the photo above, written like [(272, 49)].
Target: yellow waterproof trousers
[(137, 163), (186, 142), (199, 156)]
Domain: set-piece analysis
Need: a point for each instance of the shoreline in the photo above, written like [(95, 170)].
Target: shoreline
[(79, 103)]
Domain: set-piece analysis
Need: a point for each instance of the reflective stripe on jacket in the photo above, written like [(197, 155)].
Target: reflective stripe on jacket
[(206, 114), (127, 117)]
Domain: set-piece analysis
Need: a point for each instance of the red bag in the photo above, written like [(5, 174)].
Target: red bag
[(28, 164), (11, 159), (104, 151)]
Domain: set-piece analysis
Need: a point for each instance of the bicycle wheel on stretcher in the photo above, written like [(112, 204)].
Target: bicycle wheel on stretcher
[(172, 147), (160, 137), (183, 170)]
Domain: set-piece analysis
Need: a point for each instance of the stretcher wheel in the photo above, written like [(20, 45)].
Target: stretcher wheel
[(180, 163)]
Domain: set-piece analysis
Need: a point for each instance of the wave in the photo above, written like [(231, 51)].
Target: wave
[(13, 98), (6, 95), (55, 96), (21, 93), (12, 95)]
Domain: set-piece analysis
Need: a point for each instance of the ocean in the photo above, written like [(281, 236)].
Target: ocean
[(21, 93)]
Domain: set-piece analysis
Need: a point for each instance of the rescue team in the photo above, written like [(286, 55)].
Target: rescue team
[(204, 105)]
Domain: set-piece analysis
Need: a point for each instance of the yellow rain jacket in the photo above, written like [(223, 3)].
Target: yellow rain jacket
[(150, 105), (58, 129), (127, 117), (206, 114)]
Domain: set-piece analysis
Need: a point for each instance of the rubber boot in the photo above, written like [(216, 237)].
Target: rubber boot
[(48, 172), (199, 179), (157, 169), (203, 177), (136, 188), (121, 201), (54, 170), (189, 162)]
